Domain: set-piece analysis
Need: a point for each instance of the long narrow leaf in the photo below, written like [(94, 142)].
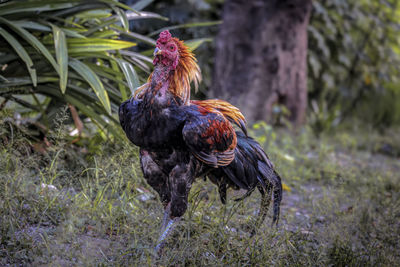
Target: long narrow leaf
[(79, 45), (93, 80), (195, 43), (122, 17), (136, 55), (102, 25), (60, 44), (20, 81), (123, 89), (32, 40), (136, 36), (36, 6), (20, 50), (140, 64), (139, 5), (144, 15), (118, 4), (188, 25), (26, 24), (130, 75)]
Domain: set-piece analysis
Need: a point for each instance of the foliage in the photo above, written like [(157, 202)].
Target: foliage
[(354, 62), (70, 52)]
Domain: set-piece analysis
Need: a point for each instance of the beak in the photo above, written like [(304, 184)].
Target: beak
[(157, 51)]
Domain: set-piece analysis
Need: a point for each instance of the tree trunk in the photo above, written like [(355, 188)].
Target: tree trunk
[(261, 57)]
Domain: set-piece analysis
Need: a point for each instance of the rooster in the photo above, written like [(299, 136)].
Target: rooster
[(182, 139)]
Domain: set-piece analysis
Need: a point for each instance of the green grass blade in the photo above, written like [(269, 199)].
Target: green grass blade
[(20, 50), (32, 40), (60, 44), (79, 45), (93, 80)]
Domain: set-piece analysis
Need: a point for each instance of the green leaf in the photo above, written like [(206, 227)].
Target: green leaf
[(139, 5), (36, 6), (136, 56), (20, 50), (32, 40), (94, 14), (101, 25), (188, 25), (195, 43), (116, 3), (20, 81), (71, 32), (144, 15), (79, 45), (93, 80), (130, 76), (60, 45), (136, 36), (106, 34), (27, 24), (122, 17)]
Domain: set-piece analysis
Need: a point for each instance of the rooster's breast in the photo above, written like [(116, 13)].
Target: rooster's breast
[(152, 127)]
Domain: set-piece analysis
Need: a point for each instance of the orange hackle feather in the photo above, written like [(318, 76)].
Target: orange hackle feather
[(228, 110), (187, 71)]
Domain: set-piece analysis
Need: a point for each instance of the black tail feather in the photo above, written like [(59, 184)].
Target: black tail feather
[(252, 168)]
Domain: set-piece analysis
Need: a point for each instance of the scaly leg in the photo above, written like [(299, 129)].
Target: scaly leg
[(181, 180), (167, 211), (165, 232)]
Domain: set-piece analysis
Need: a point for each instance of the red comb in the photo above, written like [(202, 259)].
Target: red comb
[(165, 36)]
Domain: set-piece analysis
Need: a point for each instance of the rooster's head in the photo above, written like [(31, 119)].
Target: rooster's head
[(173, 53), (167, 50)]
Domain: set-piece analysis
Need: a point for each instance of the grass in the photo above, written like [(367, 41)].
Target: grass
[(77, 206)]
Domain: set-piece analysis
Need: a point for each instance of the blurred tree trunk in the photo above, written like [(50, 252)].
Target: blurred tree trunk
[(261, 52)]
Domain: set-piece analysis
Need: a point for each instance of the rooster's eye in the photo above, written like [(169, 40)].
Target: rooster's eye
[(172, 48)]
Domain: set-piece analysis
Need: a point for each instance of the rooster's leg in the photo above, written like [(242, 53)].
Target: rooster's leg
[(167, 211), (265, 201), (180, 179), (165, 232)]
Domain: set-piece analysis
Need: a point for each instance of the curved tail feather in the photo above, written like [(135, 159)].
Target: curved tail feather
[(252, 168)]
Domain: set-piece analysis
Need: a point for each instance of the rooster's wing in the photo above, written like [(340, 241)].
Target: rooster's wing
[(209, 136)]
